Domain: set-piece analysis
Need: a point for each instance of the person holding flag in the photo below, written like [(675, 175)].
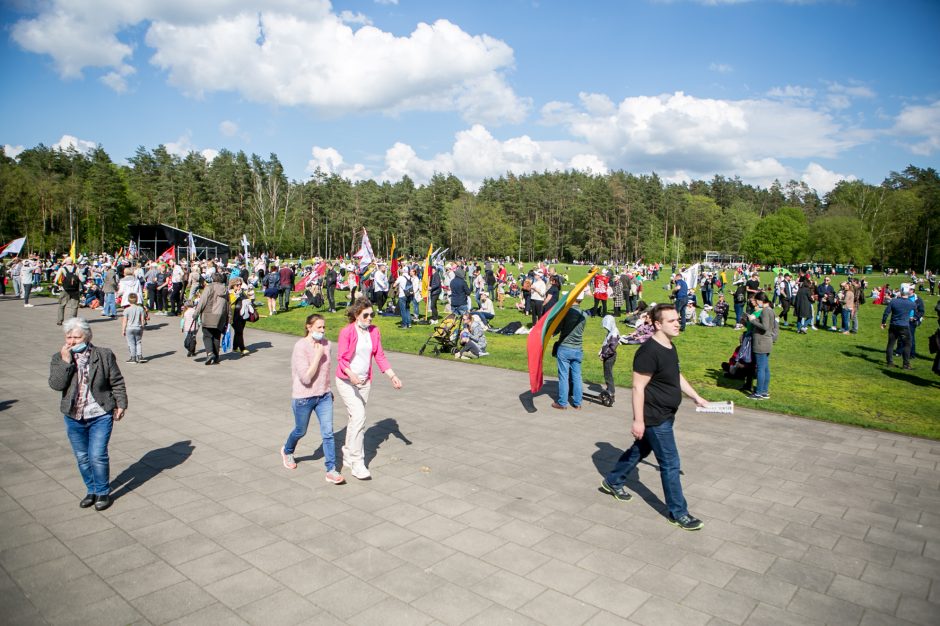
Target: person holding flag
[(569, 355)]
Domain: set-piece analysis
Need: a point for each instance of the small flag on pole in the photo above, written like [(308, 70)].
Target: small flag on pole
[(245, 244), (14, 247), (169, 254), (72, 251), (192, 246), (364, 255)]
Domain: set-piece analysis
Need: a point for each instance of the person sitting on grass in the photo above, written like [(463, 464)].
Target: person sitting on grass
[(472, 338), (644, 330)]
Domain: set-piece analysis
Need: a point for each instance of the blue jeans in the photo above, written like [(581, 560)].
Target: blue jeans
[(846, 316), (661, 441), (416, 306), (763, 373), (460, 310), (110, 307), (403, 311), (738, 312), (569, 364), (681, 304), (302, 408), (89, 439)]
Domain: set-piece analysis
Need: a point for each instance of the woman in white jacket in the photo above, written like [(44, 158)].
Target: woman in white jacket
[(128, 285)]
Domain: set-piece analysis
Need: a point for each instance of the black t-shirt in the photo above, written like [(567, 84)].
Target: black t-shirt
[(663, 393), (753, 284)]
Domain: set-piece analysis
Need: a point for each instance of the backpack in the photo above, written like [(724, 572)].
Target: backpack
[(510, 328), (70, 282), (409, 289)]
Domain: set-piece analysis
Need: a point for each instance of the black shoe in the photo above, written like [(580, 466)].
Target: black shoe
[(88, 500), (209, 361), (758, 396), (618, 492), (131, 360), (908, 367), (687, 522), (102, 503)]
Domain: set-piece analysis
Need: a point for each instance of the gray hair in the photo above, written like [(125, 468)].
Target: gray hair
[(77, 323)]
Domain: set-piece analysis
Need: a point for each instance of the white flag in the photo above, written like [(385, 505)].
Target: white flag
[(13, 247)]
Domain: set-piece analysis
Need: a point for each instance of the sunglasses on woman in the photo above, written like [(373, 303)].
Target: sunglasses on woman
[(364, 315)]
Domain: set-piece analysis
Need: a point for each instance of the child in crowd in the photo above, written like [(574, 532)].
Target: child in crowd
[(133, 321), (608, 353)]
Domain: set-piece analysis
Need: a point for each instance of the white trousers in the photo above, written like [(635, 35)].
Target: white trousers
[(355, 399)]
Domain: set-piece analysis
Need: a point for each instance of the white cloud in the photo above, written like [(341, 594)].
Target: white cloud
[(12, 151), (677, 134), (721, 68), (792, 91), (184, 145), (81, 145), (821, 179), (329, 160), (395, 2), (922, 122), (841, 96), (354, 18), (228, 128), (294, 53)]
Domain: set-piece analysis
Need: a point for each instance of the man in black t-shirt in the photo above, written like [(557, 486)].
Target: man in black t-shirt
[(657, 392)]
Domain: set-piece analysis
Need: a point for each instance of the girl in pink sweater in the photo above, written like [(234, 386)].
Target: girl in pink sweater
[(359, 343), (310, 391)]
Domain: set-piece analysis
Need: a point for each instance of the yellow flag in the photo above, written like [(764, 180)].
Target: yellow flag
[(427, 274), (72, 252)]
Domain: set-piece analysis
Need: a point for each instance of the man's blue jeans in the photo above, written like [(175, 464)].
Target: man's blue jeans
[(110, 307), (89, 439), (460, 310), (681, 304), (403, 311), (303, 408), (762, 361), (569, 365), (738, 312), (661, 441)]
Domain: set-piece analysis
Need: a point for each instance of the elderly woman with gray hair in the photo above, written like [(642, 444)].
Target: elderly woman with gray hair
[(93, 398)]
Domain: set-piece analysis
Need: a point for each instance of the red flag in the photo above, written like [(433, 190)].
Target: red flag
[(169, 254), (394, 269)]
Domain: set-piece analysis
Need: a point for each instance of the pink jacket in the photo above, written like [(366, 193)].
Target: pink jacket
[(346, 350)]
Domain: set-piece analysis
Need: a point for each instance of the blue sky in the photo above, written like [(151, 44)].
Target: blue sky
[(764, 90)]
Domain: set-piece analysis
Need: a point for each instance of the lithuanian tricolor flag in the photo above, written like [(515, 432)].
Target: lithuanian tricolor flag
[(542, 332)]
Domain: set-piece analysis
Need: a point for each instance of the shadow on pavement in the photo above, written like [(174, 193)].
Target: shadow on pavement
[(6, 404), (378, 433), (527, 398), (149, 466), (604, 459), (259, 345)]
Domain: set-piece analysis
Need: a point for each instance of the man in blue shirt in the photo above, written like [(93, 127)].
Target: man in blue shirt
[(681, 291), (900, 310)]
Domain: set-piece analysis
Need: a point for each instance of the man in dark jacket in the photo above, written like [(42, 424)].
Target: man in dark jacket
[(434, 291), (899, 310), (459, 293), (285, 285)]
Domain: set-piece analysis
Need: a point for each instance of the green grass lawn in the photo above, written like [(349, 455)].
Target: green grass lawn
[(822, 375)]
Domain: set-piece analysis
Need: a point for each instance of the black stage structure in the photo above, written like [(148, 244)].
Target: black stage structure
[(152, 240)]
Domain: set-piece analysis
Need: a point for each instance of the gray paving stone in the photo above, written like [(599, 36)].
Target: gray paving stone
[(451, 604), (825, 609), (173, 602), (553, 608), (722, 603), (661, 612), (850, 515)]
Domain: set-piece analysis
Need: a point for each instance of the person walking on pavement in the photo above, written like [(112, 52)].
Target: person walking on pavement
[(68, 278), (359, 343), (93, 398), (658, 386)]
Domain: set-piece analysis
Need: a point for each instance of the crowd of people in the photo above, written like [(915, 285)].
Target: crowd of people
[(218, 299)]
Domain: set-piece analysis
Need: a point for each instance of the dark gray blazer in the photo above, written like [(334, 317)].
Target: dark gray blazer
[(105, 380)]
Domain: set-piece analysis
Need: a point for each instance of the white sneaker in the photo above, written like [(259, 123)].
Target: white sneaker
[(360, 471), (335, 477), (28, 306)]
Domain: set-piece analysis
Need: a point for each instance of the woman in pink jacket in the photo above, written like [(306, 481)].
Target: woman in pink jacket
[(359, 342)]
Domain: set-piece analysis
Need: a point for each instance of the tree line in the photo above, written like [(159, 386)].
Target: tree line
[(51, 195)]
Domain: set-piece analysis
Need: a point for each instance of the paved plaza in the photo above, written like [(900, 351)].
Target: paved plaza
[(484, 507)]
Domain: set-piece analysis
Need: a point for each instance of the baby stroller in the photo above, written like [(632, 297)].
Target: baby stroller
[(741, 365), (444, 336)]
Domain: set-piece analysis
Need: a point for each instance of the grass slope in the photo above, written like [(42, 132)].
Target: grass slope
[(822, 375)]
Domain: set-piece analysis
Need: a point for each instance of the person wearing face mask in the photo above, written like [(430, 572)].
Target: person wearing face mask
[(93, 398), (310, 392), (359, 343)]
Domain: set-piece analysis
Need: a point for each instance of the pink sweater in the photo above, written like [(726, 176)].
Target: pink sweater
[(346, 350), (301, 359)]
